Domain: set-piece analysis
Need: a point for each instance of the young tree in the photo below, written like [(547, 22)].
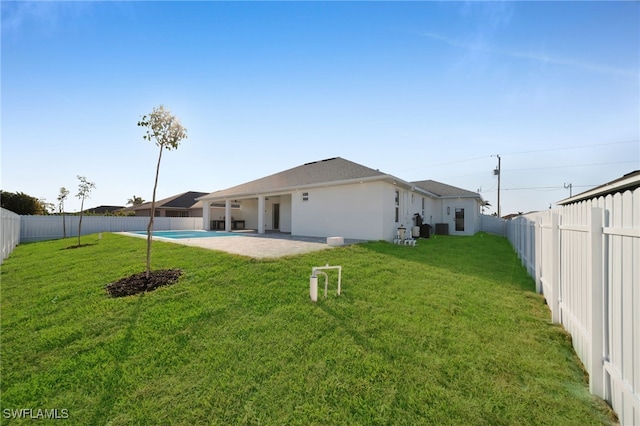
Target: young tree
[(167, 132), (64, 193), (84, 190), (47, 208), (135, 201)]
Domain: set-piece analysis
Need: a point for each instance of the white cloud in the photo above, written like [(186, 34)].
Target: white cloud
[(16, 15), (46, 17), (481, 46)]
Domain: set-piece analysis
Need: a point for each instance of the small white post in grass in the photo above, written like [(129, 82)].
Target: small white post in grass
[(313, 288), (313, 282)]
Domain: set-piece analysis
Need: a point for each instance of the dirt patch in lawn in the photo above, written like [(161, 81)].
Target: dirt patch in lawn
[(138, 283)]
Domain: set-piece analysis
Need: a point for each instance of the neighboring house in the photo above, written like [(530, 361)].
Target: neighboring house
[(337, 197), (103, 210), (181, 205), (628, 182)]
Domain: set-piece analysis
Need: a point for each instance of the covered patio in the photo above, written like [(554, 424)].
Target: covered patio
[(261, 213)]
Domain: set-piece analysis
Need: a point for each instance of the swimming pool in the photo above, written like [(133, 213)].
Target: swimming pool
[(178, 235)]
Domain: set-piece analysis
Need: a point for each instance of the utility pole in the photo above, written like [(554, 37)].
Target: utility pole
[(570, 187), (496, 172)]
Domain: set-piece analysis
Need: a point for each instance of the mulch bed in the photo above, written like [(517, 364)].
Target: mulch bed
[(138, 283)]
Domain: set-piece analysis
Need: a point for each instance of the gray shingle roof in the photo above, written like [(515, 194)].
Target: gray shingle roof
[(103, 209), (185, 200), (330, 170), (444, 190)]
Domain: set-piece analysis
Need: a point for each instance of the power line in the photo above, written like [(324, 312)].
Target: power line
[(541, 168), (540, 188), (637, 141), (572, 147), (572, 165)]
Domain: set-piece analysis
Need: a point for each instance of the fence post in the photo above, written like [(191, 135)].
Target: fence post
[(520, 238), (538, 247), (532, 248), (596, 367), (554, 303), (525, 244)]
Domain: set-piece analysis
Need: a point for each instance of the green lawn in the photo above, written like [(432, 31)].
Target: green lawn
[(448, 332)]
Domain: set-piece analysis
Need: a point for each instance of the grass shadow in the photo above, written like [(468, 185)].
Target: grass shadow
[(113, 382), (79, 246)]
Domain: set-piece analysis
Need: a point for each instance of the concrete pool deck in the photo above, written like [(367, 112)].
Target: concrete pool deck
[(258, 246)]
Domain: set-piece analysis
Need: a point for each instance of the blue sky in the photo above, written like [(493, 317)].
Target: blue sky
[(420, 90)]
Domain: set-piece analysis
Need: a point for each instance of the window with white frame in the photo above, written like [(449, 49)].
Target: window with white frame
[(397, 206)]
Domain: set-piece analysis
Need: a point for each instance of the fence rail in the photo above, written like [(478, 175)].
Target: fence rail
[(10, 232), (584, 258), (40, 228)]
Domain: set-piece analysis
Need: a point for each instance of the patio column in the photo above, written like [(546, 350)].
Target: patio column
[(227, 215), (206, 223), (261, 214)]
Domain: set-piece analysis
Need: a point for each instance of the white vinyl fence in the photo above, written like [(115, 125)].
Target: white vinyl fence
[(10, 232), (493, 225), (40, 228), (585, 259)]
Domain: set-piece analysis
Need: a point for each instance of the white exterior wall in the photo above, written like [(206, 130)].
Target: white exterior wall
[(351, 211), (268, 217), (249, 212), (411, 204), (285, 213), (433, 212), (388, 212), (268, 211), (471, 215), (360, 211)]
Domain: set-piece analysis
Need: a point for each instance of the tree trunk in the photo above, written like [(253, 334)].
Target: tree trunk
[(80, 222), (153, 213)]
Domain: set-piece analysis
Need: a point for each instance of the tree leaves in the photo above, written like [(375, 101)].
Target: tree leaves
[(163, 127)]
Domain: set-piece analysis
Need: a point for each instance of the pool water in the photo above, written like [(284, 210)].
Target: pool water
[(188, 234)]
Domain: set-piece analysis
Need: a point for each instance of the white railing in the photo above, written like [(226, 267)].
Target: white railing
[(40, 228), (10, 232), (585, 259)]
